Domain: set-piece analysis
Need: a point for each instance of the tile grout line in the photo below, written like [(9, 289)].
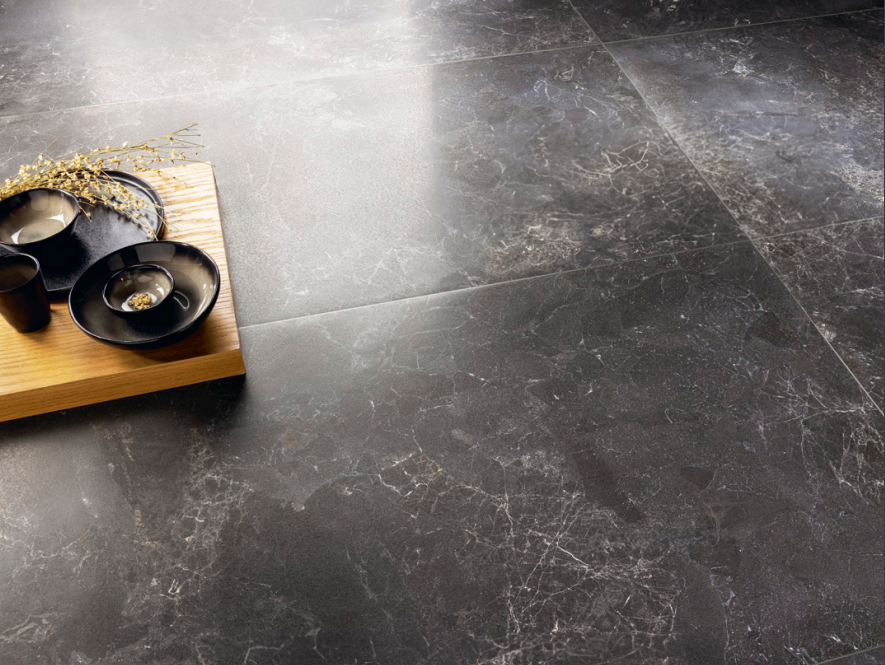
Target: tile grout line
[(490, 285), (737, 224), (817, 328), (848, 655), (845, 222), (586, 22), (599, 43), (590, 266), (332, 77), (741, 26)]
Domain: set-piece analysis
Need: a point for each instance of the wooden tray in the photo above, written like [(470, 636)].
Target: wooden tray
[(60, 367)]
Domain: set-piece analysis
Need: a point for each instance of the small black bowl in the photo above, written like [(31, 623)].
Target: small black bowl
[(144, 278), (38, 220)]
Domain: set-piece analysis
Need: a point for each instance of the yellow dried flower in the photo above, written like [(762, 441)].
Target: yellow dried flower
[(82, 174)]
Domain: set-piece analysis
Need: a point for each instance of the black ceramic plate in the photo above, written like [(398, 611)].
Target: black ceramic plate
[(197, 282), (107, 231)]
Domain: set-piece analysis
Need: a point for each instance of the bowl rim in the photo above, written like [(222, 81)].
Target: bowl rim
[(22, 255), (181, 332), (137, 266), (66, 227)]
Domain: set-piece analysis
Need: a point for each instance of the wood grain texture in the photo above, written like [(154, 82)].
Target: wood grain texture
[(61, 367)]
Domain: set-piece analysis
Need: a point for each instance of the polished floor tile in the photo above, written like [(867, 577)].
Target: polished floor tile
[(369, 188), (57, 54), (395, 185), (660, 459), (614, 20), (836, 273), (785, 120), (541, 400)]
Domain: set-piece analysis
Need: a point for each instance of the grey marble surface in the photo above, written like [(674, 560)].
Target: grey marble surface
[(873, 657), (615, 20), (785, 121), (836, 273), (57, 54), (358, 190), (660, 459), (520, 389)]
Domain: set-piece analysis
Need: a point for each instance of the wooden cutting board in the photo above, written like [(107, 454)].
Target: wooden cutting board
[(60, 367)]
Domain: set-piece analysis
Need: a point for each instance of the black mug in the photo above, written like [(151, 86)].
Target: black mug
[(23, 300)]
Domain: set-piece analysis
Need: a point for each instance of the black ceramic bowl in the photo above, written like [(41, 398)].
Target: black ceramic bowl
[(38, 220), (197, 283), (154, 283)]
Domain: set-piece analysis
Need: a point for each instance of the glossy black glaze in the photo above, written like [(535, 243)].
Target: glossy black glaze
[(103, 232), (28, 235), (151, 280), (197, 284), (455, 477), (24, 304)]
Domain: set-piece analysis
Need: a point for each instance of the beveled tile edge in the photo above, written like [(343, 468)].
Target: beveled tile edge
[(490, 285), (587, 23), (754, 239), (799, 304), (845, 658), (811, 229), (735, 27), (595, 43), (702, 175)]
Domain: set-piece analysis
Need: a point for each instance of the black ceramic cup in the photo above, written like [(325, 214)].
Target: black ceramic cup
[(23, 301)]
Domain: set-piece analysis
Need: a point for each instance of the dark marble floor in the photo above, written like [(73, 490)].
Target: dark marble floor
[(563, 334)]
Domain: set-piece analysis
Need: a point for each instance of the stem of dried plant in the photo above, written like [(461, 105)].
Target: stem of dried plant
[(84, 174)]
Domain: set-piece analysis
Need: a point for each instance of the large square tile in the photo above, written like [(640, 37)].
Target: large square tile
[(658, 459), (362, 189), (57, 54), (784, 120)]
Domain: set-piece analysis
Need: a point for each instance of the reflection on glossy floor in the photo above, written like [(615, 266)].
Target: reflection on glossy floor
[(563, 324)]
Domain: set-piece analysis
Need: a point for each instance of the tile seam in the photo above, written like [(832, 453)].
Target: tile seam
[(811, 229), (677, 144), (848, 655), (478, 287), (739, 27), (586, 22), (259, 86), (818, 329), (598, 44), (733, 215)]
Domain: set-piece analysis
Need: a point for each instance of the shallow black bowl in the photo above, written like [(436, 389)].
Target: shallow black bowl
[(38, 221), (197, 283), (152, 280)]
